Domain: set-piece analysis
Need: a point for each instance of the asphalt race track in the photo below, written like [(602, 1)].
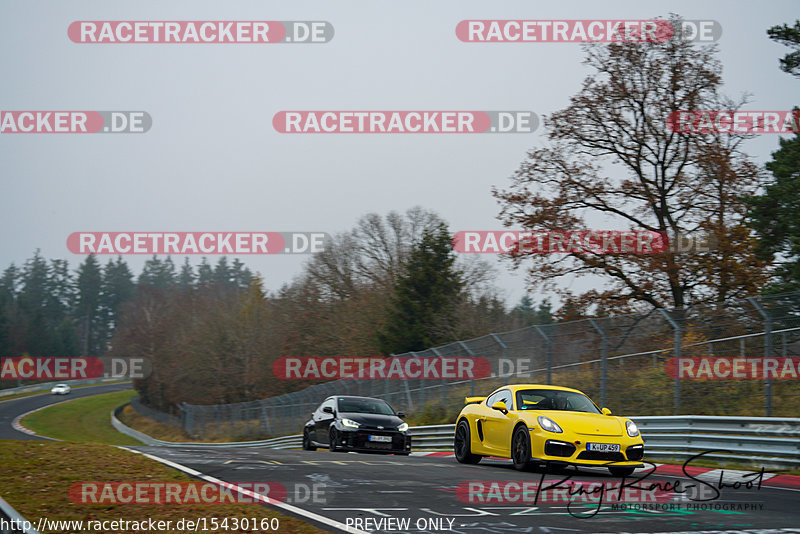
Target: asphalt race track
[(416, 494), (10, 409), (345, 487)]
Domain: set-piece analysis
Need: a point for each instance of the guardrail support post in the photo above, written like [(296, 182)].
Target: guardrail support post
[(767, 353), (444, 381), (604, 360), (676, 353)]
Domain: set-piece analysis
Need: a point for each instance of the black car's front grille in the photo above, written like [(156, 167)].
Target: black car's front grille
[(558, 448), (635, 452), (608, 456), (360, 440)]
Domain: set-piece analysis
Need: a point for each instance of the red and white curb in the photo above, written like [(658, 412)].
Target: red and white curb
[(706, 474), (17, 425)]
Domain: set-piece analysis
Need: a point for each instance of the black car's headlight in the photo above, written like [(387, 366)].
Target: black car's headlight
[(548, 424), (350, 423), (633, 430), (403, 427)]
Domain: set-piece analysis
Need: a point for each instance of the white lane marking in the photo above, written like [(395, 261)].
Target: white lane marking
[(288, 507)]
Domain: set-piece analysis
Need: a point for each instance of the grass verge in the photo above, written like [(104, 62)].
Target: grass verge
[(164, 432), (35, 478), (86, 419)]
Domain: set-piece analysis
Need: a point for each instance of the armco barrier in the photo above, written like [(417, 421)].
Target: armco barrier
[(766, 440), (47, 385), (285, 442), (9, 515)]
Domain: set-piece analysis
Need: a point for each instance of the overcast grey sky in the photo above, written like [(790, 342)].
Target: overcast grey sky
[(212, 160)]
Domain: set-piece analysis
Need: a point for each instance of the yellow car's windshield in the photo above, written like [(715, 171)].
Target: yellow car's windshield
[(554, 399)]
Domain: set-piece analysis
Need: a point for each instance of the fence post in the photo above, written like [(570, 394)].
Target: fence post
[(676, 353), (604, 360), (767, 353), (471, 380), (549, 348), (444, 381)]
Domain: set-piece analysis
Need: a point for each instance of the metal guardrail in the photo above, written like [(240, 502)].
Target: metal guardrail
[(768, 440), (284, 442), (9, 517), (45, 386)]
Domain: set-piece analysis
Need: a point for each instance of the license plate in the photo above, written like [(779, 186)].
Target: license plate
[(602, 447), (386, 438)]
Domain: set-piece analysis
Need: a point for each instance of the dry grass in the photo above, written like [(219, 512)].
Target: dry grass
[(36, 476)]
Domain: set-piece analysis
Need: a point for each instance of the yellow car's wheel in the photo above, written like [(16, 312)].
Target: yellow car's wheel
[(521, 449), (461, 445)]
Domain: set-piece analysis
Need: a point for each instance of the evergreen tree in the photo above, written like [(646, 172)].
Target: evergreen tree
[(775, 216), (205, 274), (88, 312), (424, 295), (157, 273), (789, 36), (186, 276), (222, 273), (117, 288)]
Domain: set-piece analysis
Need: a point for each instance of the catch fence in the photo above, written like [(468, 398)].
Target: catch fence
[(622, 362)]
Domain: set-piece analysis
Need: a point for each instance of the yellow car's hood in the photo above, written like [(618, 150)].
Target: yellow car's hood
[(591, 424)]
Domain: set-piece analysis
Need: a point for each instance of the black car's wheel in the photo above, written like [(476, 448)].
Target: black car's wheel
[(333, 435), (521, 449), (307, 446), (619, 471), (461, 445)]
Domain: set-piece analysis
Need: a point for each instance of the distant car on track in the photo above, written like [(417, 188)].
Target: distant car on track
[(362, 424), (60, 389), (548, 425)]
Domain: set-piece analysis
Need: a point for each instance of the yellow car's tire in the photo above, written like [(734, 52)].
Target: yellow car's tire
[(521, 449), (461, 445)]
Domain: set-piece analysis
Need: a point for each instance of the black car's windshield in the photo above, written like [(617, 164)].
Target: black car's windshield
[(365, 406), (554, 399)]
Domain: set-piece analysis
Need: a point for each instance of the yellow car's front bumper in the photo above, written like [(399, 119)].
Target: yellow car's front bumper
[(571, 448)]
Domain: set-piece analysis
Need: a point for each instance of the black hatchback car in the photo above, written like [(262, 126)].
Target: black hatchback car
[(362, 424)]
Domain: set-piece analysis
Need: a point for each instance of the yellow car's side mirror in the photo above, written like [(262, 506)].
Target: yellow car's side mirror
[(606, 411), (500, 406)]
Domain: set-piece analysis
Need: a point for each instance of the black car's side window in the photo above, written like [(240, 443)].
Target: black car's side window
[(330, 402)]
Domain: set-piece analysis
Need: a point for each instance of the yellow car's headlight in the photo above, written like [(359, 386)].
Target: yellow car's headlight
[(548, 424), (633, 430)]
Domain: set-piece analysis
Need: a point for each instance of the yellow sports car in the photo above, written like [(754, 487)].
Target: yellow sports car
[(550, 425)]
